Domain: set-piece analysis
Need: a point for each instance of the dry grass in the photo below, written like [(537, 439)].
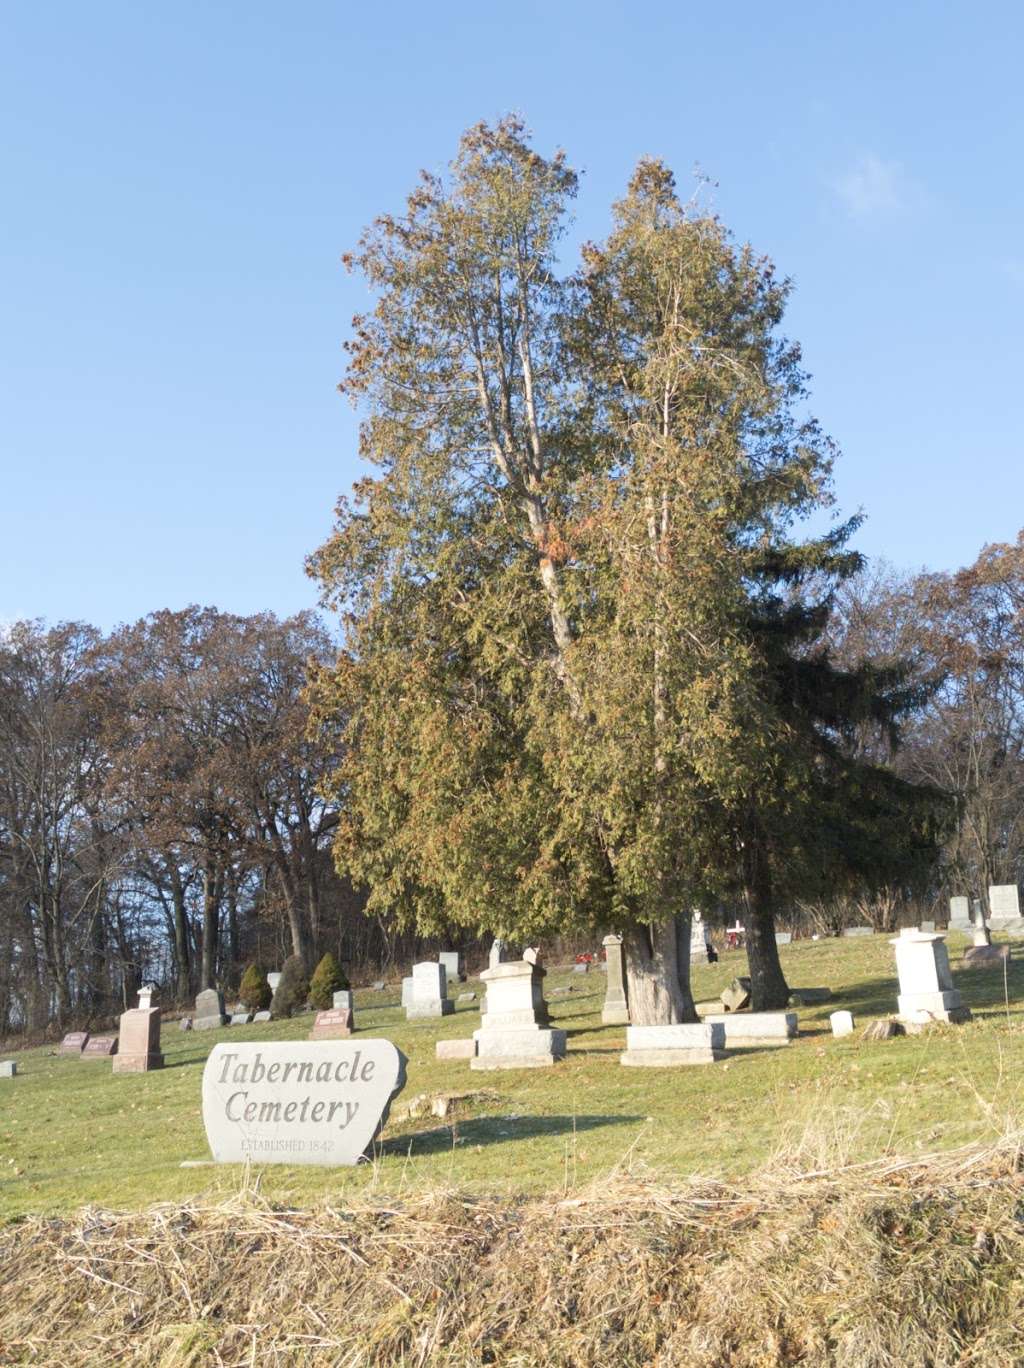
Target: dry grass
[(917, 1263)]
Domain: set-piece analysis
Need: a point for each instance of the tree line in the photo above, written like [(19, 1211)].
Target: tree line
[(160, 811)]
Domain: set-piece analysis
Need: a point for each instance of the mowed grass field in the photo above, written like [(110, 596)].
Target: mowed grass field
[(72, 1133)]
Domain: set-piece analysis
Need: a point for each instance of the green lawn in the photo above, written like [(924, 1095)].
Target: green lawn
[(72, 1133)]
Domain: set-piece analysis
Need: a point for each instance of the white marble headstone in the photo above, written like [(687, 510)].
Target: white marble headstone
[(298, 1102)]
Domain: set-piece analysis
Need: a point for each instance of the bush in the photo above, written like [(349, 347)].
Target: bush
[(292, 991), (254, 992), (328, 979)]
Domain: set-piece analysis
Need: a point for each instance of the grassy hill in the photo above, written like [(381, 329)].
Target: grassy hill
[(72, 1133)]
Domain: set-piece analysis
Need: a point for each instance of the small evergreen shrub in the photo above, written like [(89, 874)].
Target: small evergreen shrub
[(293, 990), (255, 992), (328, 978)]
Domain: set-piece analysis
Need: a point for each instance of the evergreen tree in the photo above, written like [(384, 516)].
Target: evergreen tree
[(254, 990), (328, 978), (292, 991)]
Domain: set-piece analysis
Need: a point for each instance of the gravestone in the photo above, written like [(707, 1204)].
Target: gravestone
[(581, 967), (378, 985), (455, 1049), (343, 998), (926, 984), (100, 1047), (262, 1016), (273, 980), (466, 997), (74, 1043), (452, 961), (334, 1024), (240, 1018), (673, 1046), (146, 996), (859, 931), (841, 1023), (984, 956), (8, 1068), (615, 1011), (882, 1030), (407, 991), (498, 953), (747, 1029), (209, 1011), (1004, 908), (701, 949), (737, 995), (959, 913), (512, 1034), (783, 937), (299, 1102), (927, 926), (185, 1024), (429, 992), (138, 1041)]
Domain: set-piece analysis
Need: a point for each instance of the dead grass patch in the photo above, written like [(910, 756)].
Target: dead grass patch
[(917, 1263)]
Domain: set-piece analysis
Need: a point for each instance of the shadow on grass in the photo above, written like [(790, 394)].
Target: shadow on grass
[(494, 1130)]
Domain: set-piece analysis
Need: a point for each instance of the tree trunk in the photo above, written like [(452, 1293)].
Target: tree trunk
[(657, 973), (180, 950), (769, 990), (211, 919)]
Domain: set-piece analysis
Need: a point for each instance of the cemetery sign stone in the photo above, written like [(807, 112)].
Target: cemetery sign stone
[(298, 1102)]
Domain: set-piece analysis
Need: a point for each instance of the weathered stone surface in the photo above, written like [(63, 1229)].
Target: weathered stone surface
[(74, 1043), (8, 1068), (498, 953), (927, 926), (138, 1041), (466, 997), (673, 1046), (987, 956), (298, 1102), (344, 998), (737, 995), (516, 1047), (615, 1011), (209, 1011), (783, 937), (455, 1049), (407, 990), (241, 1018), (882, 1030), (842, 1023), (334, 1024), (859, 931), (100, 1047), (756, 1028), (273, 980), (261, 1016), (926, 984), (809, 997)]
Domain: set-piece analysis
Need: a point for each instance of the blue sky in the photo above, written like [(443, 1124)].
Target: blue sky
[(177, 183)]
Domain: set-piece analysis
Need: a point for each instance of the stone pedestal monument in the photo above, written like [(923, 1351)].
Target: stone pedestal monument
[(514, 1033), (926, 984), (701, 950), (615, 1011)]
